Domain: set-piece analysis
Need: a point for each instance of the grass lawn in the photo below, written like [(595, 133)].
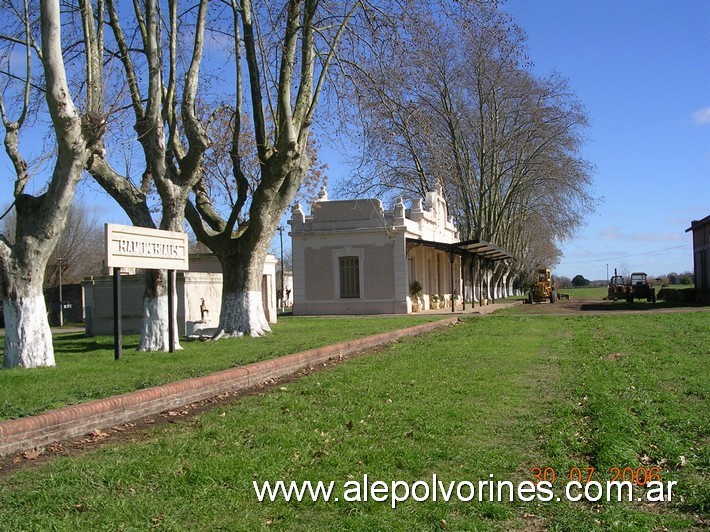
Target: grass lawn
[(599, 292), (595, 292), (86, 370), (492, 396)]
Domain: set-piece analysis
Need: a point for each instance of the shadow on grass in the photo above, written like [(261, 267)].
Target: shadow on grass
[(78, 343)]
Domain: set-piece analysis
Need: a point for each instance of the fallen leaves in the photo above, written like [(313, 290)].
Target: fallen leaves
[(32, 455)]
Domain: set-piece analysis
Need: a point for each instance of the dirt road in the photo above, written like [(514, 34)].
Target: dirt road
[(574, 306)]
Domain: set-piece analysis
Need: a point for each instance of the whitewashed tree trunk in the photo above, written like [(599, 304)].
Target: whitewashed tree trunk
[(28, 339), (477, 277), (173, 161), (40, 219), (242, 309), (242, 313), (154, 323)]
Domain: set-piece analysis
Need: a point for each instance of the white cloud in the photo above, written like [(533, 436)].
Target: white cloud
[(612, 233), (702, 116), (658, 237), (616, 233)]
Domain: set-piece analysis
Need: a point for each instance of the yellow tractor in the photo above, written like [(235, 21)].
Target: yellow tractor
[(542, 287)]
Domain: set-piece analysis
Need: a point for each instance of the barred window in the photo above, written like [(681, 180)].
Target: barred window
[(349, 277)]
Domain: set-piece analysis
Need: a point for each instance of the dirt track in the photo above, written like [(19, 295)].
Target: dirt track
[(576, 307)]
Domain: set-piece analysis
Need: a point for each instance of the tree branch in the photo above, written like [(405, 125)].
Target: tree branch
[(205, 208), (257, 98), (198, 140)]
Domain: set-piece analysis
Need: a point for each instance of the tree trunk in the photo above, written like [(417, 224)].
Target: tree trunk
[(28, 339), (41, 219), (242, 311), (154, 322)]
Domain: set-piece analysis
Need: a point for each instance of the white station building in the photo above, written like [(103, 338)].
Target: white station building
[(355, 257)]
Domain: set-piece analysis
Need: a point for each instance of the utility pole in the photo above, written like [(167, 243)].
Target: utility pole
[(280, 229), (61, 302)]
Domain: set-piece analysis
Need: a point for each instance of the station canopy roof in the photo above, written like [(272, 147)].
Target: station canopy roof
[(480, 248)]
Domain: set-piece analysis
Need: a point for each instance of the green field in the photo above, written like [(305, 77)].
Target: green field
[(599, 292), (491, 396), (86, 370)]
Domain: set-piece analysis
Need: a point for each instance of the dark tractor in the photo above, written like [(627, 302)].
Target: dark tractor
[(638, 288)]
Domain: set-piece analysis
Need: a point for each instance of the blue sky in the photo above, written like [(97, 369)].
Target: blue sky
[(642, 70)]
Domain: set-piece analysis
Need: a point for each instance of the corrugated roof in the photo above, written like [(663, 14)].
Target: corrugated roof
[(480, 248)]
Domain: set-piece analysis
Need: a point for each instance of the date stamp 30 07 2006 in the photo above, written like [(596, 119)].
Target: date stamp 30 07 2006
[(580, 483), (640, 476)]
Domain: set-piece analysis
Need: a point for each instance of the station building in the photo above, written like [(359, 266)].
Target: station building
[(355, 257)]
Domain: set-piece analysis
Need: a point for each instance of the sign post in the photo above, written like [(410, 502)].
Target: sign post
[(148, 249), (117, 332), (171, 311)]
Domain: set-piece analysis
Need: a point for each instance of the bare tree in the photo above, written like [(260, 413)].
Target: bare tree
[(292, 52), (461, 109), (40, 218), (218, 179), (171, 137), (287, 49)]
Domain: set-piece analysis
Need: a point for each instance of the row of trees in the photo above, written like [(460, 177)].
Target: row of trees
[(107, 68), (673, 278), (462, 109), (203, 111)]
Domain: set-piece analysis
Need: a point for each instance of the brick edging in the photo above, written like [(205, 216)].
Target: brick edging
[(76, 420)]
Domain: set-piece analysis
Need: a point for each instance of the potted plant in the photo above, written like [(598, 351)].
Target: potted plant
[(433, 301), (442, 301), (415, 290)]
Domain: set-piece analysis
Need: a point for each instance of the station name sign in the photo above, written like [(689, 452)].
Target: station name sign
[(150, 249)]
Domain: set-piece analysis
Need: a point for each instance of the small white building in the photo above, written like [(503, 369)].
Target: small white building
[(199, 295), (354, 257)]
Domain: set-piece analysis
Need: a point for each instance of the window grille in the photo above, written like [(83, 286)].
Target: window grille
[(349, 277)]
